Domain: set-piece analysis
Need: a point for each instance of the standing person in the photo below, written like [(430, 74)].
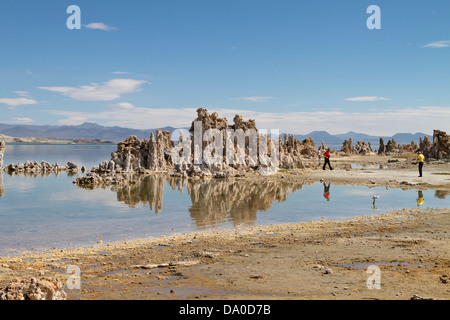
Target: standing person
[(327, 159), (420, 158)]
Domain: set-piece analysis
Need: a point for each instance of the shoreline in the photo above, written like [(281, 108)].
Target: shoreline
[(51, 141), (61, 143), (321, 259)]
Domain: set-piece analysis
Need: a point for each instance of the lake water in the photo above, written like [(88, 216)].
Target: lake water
[(82, 155), (39, 212)]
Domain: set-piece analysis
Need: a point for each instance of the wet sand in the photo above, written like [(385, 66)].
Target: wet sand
[(315, 260)]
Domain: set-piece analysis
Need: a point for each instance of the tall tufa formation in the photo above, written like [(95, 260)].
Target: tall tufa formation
[(392, 147), (290, 150), (2, 151), (209, 152), (159, 151), (381, 149), (221, 151), (134, 155), (347, 147), (210, 121), (293, 150), (361, 147), (439, 149)]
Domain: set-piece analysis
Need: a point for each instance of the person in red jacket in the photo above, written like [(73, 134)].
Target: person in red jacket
[(327, 159)]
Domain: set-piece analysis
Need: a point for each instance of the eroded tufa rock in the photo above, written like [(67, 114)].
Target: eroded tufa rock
[(33, 289), (43, 167), (200, 155), (347, 147), (392, 147), (2, 151), (381, 149), (439, 149)]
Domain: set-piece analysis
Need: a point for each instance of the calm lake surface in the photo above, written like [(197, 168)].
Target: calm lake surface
[(41, 212)]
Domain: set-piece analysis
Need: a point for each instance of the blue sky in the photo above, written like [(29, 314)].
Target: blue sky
[(292, 65)]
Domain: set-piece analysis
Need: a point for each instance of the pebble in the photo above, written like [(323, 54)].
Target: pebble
[(325, 270)]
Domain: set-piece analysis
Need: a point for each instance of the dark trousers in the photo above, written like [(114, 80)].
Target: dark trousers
[(327, 161), (420, 168)]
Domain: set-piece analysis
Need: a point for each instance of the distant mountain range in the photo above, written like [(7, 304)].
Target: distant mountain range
[(93, 131), (338, 139), (86, 130)]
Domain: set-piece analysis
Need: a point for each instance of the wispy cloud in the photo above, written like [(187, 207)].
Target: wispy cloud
[(254, 98), (100, 26), (125, 114), (438, 44), (383, 122), (120, 72), (25, 94), (122, 106), (18, 101), (22, 120), (73, 120), (367, 98), (107, 91)]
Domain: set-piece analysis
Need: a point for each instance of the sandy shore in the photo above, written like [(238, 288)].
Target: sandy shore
[(397, 172), (315, 260)]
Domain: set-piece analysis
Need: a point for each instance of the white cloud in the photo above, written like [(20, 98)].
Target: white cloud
[(127, 115), (22, 120), (438, 44), (367, 98), (385, 122), (120, 72), (100, 26), (122, 106), (254, 98), (73, 121), (18, 101), (25, 94), (388, 122), (108, 91)]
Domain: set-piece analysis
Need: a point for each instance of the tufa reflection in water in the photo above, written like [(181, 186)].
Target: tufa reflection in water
[(236, 200), (213, 200), (2, 187)]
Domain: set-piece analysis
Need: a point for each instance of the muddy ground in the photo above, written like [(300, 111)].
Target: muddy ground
[(316, 260)]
